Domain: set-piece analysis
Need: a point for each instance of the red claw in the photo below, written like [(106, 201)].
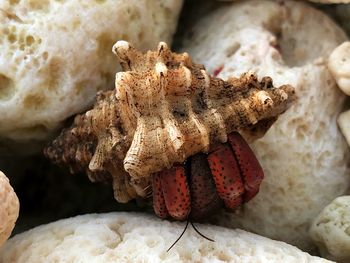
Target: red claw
[(227, 177), (175, 193), (252, 172), (159, 205), (204, 197)]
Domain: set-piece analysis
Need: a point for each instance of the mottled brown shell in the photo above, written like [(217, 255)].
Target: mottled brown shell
[(163, 110)]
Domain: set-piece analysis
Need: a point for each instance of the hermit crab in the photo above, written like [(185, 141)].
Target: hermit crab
[(171, 129)]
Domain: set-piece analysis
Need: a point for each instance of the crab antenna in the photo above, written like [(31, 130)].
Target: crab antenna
[(183, 232), (199, 233)]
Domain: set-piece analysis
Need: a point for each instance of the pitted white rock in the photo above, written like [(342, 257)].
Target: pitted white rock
[(304, 155), (55, 56), (133, 237), (339, 65), (9, 208), (331, 230)]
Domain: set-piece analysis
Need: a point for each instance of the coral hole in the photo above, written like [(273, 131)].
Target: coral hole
[(7, 87), (39, 4), (105, 43), (293, 52), (297, 40), (232, 49), (14, 2)]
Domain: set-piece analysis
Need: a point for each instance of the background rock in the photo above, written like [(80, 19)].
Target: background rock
[(132, 237), (304, 156), (55, 56), (9, 207), (330, 230)]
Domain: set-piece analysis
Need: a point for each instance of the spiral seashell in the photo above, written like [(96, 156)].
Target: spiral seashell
[(164, 109)]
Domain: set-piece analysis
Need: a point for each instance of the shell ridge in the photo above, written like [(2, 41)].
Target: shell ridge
[(203, 131), (121, 193), (171, 126), (174, 137), (131, 164), (215, 125)]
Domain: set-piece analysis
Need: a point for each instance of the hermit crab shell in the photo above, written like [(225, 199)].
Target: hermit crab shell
[(164, 109)]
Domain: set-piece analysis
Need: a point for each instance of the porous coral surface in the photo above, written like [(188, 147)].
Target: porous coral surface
[(330, 1), (331, 230), (132, 237), (304, 155), (55, 56), (9, 208), (339, 65)]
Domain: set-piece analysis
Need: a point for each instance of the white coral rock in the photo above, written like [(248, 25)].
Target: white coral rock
[(331, 1), (304, 155), (9, 208), (344, 124), (132, 237), (55, 55), (331, 230), (339, 65)]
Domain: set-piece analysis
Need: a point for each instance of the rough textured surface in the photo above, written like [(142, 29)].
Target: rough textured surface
[(315, 1), (131, 237), (330, 1), (339, 65), (55, 55), (9, 208), (304, 155), (331, 230), (344, 124)]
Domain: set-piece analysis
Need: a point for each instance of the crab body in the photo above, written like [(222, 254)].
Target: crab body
[(229, 175), (164, 110)]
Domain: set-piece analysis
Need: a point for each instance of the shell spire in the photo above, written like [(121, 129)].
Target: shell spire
[(164, 109)]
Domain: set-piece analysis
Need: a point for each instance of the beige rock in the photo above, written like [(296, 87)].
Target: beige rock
[(331, 230), (55, 55), (132, 237), (339, 65), (330, 1), (344, 124), (9, 208), (304, 155), (315, 1)]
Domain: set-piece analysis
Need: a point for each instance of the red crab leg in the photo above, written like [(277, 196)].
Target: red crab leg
[(226, 174), (159, 206), (175, 192), (252, 172), (204, 198)]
